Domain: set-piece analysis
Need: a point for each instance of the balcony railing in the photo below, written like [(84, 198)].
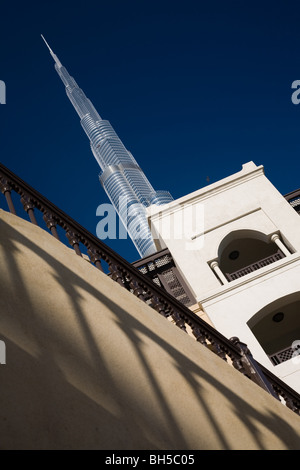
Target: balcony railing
[(130, 278), (293, 199), (284, 355), (255, 266)]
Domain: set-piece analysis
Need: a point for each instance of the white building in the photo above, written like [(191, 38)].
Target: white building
[(241, 259)]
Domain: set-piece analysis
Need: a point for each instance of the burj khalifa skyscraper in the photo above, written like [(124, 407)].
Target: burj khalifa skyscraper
[(123, 180)]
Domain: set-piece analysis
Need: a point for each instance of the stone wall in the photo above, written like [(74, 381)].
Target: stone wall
[(90, 366)]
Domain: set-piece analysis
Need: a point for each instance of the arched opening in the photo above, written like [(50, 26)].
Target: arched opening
[(244, 251), (277, 328)]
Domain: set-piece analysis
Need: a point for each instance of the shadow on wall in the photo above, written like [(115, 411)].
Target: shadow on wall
[(83, 372)]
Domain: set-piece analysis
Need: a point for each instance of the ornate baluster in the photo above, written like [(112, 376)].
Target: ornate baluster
[(127, 280), (158, 306), (178, 320), (251, 368), (219, 351), (290, 404), (147, 293), (116, 274), (74, 242), (200, 337), (238, 365), (51, 224), (138, 291), (29, 208), (95, 258), (6, 190)]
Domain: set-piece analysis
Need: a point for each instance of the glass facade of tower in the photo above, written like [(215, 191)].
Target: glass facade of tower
[(123, 180)]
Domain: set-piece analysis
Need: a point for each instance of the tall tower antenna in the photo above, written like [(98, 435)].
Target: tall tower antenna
[(123, 180), (52, 53)]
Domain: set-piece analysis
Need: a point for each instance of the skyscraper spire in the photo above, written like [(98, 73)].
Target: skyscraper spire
[(123, 180), (51, 52)]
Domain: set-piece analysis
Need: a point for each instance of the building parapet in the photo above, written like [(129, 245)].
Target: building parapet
[(132, 279)]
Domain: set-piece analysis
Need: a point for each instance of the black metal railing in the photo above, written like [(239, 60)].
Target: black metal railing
[(293, 199), (285, 354), (255, 266), (130, 278)]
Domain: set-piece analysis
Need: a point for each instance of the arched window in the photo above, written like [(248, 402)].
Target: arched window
[(277, 328), (244, 251)]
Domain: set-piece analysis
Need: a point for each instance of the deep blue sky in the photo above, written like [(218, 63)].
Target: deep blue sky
[(194, 89)]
